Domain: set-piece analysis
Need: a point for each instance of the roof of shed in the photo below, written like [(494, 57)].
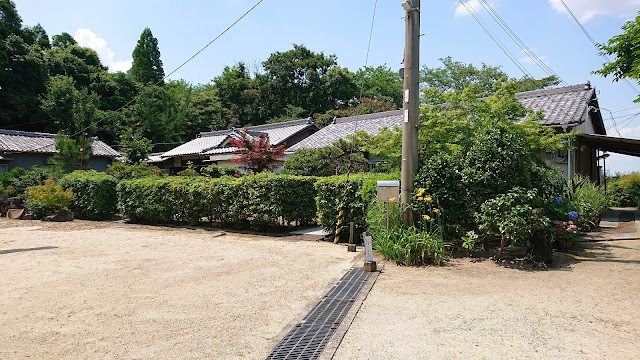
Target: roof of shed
[(12, 141), (208, 143), (369, 123)]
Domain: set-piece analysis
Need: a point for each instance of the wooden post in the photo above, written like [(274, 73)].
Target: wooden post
[(351, 246)]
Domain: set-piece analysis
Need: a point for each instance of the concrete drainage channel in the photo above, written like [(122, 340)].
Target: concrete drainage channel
[(308, 339)]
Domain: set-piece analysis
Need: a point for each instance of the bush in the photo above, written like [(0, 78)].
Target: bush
[(258, 201), (123, 171), (216, 171), (510, 215), (442, 180), (357, 194), (33, 177), (589, 200), (95, 194), (625, 191), (48, 198)]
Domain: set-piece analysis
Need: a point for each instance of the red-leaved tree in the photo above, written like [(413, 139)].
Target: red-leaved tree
[(256, 152)]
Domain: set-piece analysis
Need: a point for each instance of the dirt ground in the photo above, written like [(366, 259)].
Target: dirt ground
[(84, 290), (586, 306)]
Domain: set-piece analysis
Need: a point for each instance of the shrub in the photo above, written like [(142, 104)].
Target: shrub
[(47, 198), (252, 201), (216, 171), (496, 162), (34, 177), (124, 171), (589, 200), (442, 180), (510, 216), (95, 194), (625, 191), (357, 194)]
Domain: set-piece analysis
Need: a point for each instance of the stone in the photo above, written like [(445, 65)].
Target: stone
[(369, 266), (62, 215)]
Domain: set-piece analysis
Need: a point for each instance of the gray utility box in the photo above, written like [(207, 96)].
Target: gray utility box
[(388, 189)]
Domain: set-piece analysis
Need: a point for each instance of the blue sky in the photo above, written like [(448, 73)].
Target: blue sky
[(341, 27)]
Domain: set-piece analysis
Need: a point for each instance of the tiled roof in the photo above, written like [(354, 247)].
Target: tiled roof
[(370, 123), (33, 142), (208, 143), (564, 104), (196, 146)]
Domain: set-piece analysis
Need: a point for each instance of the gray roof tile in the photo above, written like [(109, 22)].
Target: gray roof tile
[(34, 142), (564, 104), (208, 143)]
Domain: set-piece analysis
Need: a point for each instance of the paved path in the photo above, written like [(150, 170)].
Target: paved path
[(616, 224)]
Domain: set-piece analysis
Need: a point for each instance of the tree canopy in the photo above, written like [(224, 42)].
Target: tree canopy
[(147, 66)]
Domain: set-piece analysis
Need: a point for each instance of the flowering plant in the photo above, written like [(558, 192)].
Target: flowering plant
[(562, 231)]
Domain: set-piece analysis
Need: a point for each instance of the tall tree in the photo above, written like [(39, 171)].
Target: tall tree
[(455, 76), (147, 66), (63, 40), (74, 111), (297, 77), (381, 83), (626, 48), (23, 82)]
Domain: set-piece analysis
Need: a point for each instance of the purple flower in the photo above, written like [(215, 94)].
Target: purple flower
[(557, 222), (573, 215), (559, 200)]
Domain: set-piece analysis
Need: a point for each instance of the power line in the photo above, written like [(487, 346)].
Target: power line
[(595, 44), (148, 88), (527, 50)]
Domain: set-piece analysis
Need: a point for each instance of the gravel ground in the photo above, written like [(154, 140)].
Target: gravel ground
[(585, 307), (83, 290)]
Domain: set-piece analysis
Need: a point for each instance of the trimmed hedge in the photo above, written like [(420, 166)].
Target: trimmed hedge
[(361, 191), (95, 194), (252, 201)]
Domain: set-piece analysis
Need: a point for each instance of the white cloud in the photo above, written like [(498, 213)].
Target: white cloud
[(461, 10), (87, 38), (585, 10)]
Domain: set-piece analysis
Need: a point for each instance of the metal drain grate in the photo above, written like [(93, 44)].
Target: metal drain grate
[(309, 337)]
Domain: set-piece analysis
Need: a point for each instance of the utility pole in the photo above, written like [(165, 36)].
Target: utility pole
[(410, 104)]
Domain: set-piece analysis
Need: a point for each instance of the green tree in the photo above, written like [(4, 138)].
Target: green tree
[(381, 83), (626, 48), (297, 77), (330, 160), (455, 76), (72, 110), (147, 66), (237, 93), (136, 147), (62, 41), (22, 83), (80, 63), (70, 152)]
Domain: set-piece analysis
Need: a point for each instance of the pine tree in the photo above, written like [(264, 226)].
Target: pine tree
[(147, 66)]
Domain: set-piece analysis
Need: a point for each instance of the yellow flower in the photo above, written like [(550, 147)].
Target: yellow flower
[(428, 199), (426, 217), (420, 198), (392, 199), (436, 211), (420, 192)]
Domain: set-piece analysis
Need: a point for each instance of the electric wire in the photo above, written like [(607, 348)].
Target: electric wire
[(148, 88)]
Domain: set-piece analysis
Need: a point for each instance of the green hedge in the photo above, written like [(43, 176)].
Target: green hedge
[(95, 194), (361, 191), (252, 201)]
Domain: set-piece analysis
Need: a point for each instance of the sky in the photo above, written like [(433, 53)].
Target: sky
[(342, 27)]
